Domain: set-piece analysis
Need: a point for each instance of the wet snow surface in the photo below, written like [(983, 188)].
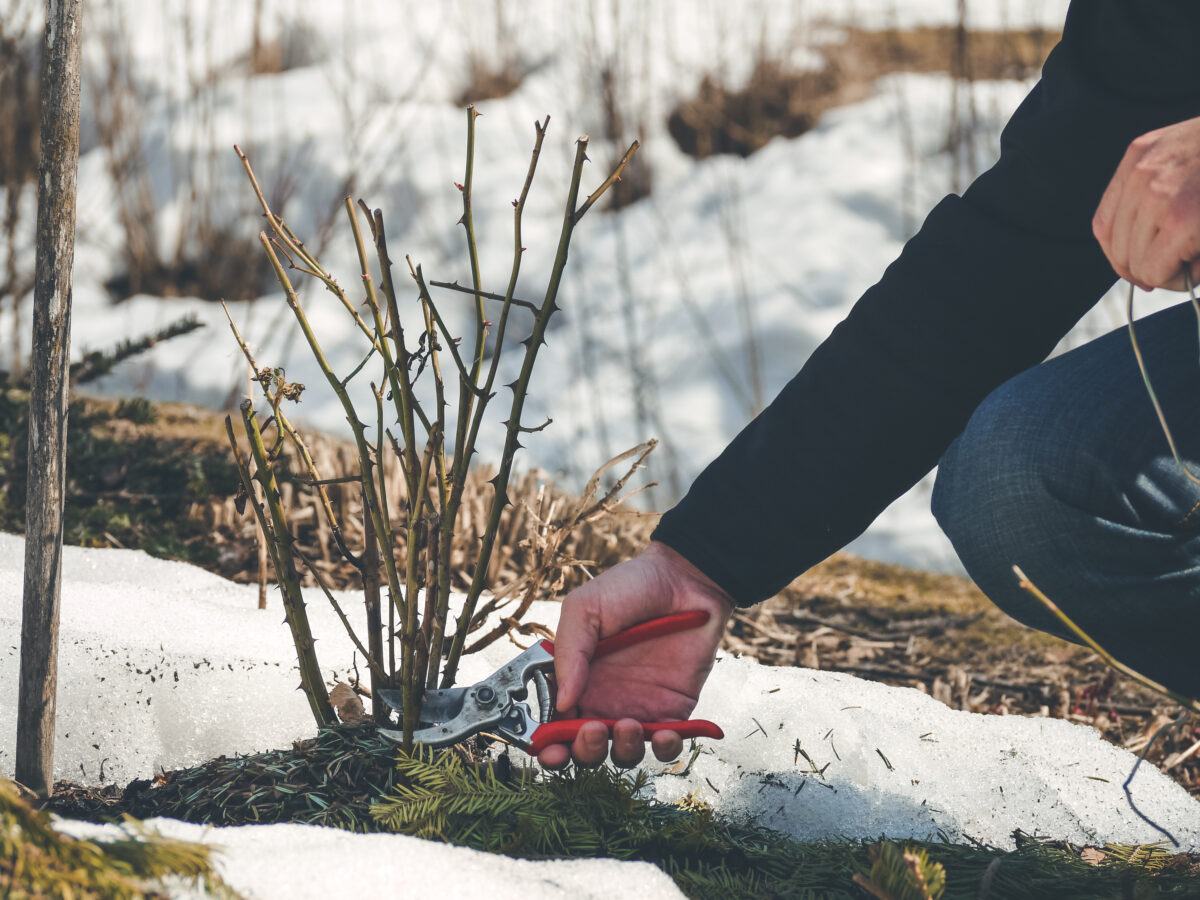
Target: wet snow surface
[(165, 665)]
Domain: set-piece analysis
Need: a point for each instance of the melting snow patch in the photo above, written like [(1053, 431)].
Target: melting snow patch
[(164, 665), (292, 862)]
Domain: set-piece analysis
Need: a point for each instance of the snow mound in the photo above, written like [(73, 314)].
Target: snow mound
[(898, 763), (164, 665), (276, 862)]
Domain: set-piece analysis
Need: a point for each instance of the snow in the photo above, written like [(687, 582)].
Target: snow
[(163, 665), (652, 340), (296, 862)]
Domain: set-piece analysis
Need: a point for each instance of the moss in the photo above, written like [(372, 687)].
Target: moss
[(134, 472), (37, 862)]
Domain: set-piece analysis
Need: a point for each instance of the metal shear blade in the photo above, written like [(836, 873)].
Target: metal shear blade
[(436, 706), (454, 714)]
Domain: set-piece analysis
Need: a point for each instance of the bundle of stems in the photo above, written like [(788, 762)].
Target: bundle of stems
[(433, 446)]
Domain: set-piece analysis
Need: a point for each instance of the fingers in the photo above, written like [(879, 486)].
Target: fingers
[(555, 757), (591, 746), (1114, 221), (667, 745), (578, 632), (1148, 220), (629, 743)]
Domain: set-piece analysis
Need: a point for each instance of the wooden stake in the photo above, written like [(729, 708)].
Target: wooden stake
[(49, 374)]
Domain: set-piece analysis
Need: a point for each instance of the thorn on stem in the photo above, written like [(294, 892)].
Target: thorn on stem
[(459, 186)]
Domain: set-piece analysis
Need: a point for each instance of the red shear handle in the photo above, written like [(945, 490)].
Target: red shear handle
[(644, 631), (563, 731)]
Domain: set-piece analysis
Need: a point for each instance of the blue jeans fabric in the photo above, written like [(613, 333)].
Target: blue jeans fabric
[(1065, 471)]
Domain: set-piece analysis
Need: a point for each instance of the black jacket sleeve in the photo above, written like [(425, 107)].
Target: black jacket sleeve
[(985, 289)]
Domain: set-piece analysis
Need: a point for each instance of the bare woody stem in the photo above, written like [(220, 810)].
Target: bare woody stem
[(468, 385), (383, 528), (403, 355), (487, 295), (397, 374), (447, 529), (514, 428), (279, 545), (295, 249), (335, 526)]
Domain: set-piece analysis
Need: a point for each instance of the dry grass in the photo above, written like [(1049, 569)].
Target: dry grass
[(779, 101), (216, 264), (490, 79), (537, 516), (296, 46)]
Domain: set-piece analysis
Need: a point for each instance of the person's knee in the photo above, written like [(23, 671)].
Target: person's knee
[(996, 483), (1002, 497)]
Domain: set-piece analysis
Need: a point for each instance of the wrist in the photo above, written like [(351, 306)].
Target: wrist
[(683, 568)]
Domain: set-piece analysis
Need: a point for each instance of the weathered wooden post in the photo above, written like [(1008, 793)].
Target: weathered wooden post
[(49, 371)]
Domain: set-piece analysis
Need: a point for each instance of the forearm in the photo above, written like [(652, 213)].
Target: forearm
[(984, 290)]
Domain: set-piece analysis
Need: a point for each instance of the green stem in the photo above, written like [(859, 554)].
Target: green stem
[(396, 375), (447, 530), (383, 529), (278, 539), (571, 218), (301, 448), (469, 384)]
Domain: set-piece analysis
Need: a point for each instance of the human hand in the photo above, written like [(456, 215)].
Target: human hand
[(1148, 221), (658, 679)]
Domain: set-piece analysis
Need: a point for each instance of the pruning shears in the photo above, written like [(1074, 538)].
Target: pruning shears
[(498, 704)]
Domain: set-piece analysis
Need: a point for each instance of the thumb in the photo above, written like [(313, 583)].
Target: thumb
[(574, 644)]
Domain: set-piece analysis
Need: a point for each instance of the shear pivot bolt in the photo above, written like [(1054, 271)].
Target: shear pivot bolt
[(485, 695)]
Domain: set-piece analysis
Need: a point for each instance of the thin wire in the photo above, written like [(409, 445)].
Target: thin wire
[(1137, 352), (1142, 758)]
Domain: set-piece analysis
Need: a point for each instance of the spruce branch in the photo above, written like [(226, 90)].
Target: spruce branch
[(99, 363)]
